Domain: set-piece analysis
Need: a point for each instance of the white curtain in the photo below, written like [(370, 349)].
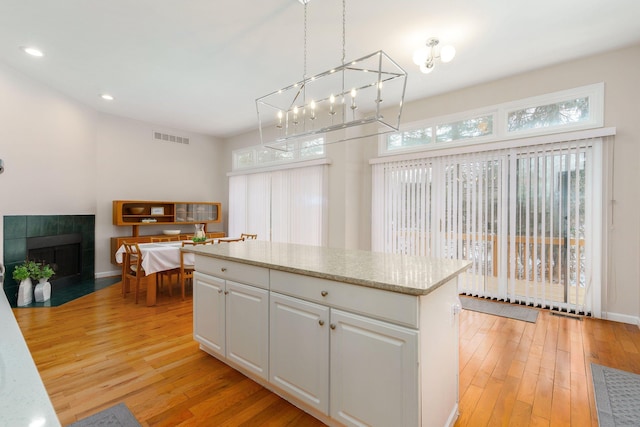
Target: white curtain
[(282, 206), (524, 216)]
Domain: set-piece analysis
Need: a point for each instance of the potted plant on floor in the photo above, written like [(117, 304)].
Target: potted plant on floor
[(23, 274), (43, 289)]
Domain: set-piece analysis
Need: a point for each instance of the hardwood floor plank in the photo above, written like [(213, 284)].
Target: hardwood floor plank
[(103, 349)]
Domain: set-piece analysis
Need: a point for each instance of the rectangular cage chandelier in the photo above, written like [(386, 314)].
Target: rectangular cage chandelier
[(367, 91)]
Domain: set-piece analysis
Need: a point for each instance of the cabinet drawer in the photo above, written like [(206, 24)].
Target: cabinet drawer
[(230, 270), (384, 305)]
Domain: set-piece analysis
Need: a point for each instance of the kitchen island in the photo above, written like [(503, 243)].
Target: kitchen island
[(351, 337)]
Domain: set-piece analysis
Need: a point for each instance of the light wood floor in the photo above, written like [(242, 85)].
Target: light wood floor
[(102, 349)]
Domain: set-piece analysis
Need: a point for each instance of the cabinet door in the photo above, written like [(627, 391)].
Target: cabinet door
[(374, 372), (248, 327), (299, 353), (209, 312)]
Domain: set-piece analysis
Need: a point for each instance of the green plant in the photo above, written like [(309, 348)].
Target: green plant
[(25, 270), (20, 273), (44, 271)]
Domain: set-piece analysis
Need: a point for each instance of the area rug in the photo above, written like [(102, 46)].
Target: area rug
[(511, 311), (617, 396), (115, 416)]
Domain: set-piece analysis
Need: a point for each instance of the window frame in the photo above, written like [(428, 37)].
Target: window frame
[(500, 114), (296, 147)]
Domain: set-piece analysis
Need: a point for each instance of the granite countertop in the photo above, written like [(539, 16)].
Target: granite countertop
[(406, 274), (23, 399)]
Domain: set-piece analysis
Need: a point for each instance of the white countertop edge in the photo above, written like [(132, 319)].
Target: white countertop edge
[(23, 398), (415, 291)]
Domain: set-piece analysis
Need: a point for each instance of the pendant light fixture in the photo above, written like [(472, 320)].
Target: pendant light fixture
[(353, 94), (426, 57)]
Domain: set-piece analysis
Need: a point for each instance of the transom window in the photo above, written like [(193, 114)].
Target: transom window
[(285, 152), (569, 110)]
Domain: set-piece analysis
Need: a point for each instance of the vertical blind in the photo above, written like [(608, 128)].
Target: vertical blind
[(280, 206), (524, 217)]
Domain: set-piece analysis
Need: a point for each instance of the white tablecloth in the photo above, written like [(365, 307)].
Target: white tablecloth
[(159, 256)]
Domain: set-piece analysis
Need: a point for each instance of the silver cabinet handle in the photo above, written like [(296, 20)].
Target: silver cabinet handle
[(321, 322), (332, 326), (324, 293), (223, 269)]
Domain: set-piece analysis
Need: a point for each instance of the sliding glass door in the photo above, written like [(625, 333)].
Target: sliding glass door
[(523, 216)]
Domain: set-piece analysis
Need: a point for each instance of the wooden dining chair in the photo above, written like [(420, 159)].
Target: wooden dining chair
[(165, 239), (131, 268), (245, 236), (186, 270), (168, 274), (227, 240)]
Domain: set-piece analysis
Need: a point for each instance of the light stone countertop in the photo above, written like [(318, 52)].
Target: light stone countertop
[(405, 274), (23, 399)]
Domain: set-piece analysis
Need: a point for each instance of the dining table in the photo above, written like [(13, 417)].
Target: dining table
[(156, 257)]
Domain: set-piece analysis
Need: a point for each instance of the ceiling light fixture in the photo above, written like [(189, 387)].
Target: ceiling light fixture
[(106, 97), (32, 51), (349, 95), (426, 56)]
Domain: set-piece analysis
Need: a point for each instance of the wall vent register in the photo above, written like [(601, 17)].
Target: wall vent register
[(165, 137)]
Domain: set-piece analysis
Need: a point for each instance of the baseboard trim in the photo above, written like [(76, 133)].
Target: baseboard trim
[(103, 274), (622, 318)]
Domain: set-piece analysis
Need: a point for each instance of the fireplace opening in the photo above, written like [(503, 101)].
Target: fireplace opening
[(62, 252)]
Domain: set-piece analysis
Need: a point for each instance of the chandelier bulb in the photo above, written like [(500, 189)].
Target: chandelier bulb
[(332, 100), (447, 53), (295, 115), (426, 68), (312, 105), (353, 99)]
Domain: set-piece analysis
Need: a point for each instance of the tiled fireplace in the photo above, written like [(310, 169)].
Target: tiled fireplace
[(67, 239)]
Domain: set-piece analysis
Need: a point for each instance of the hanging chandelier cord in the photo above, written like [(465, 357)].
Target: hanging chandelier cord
[(304, 77), (344, 30)]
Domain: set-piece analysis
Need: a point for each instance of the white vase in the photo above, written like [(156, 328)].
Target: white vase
[(25, 292), (43, 290)]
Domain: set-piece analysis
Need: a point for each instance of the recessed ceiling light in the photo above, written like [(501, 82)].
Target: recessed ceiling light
[(106, 97), (33, 51)]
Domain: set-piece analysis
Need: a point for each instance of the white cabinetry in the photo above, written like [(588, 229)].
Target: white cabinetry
[(299, 352), (209, 312), (358, 370), (374, 372), (231, 319), (347, 354)]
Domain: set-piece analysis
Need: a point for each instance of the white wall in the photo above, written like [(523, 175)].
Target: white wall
[(64, 158), (131, 165), (47, 146), (350, 180)]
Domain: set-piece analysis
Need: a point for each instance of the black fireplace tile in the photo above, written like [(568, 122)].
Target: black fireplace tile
[(88, 263), (15, 250), (67, 224), (42, 225), (34, 225), (86, 224), (11, 292), (15, 226), (9, 282)]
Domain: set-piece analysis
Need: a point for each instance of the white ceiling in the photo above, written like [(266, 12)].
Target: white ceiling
[(198, 66)]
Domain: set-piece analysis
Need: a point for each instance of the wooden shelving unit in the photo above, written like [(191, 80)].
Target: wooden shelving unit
[(137, 213), (125, 213)]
